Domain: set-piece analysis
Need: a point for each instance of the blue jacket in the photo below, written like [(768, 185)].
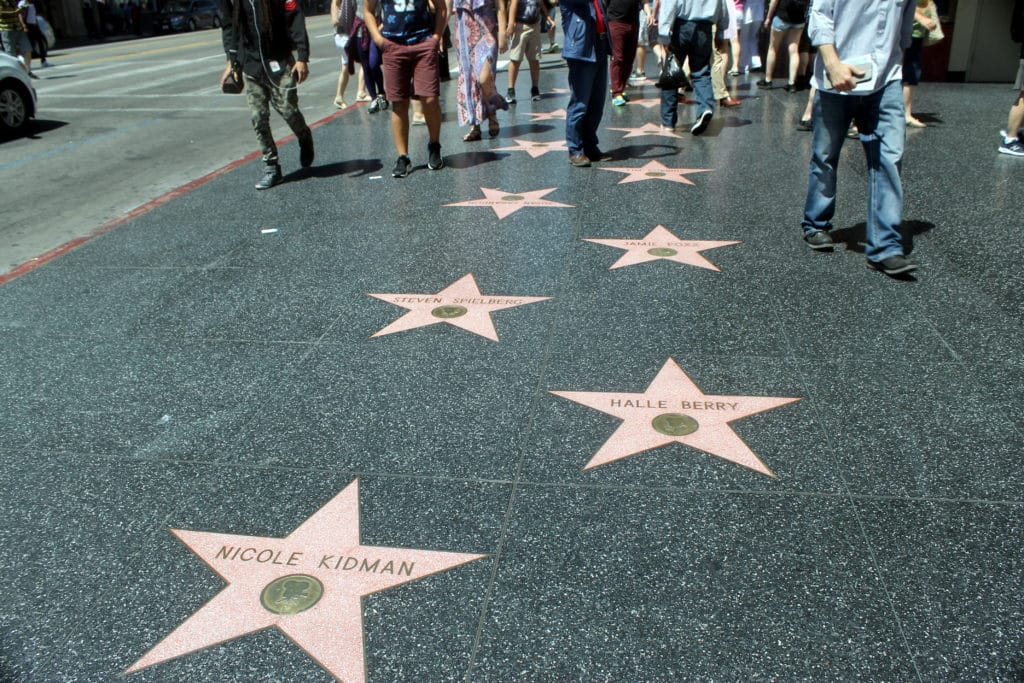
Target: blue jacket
[(579, 24)]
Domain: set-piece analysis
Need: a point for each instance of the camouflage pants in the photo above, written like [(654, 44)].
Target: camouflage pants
[(260, 94)]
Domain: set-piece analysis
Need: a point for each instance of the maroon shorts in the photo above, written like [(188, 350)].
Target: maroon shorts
[(410, 69)]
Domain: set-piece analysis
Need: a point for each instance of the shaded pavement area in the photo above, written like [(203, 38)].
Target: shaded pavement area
[(492, 424)]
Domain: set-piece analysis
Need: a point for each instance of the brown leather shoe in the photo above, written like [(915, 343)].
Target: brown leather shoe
[(579, 160), (729, 101)]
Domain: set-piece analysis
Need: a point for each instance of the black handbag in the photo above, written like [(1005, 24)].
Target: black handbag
[(672, 76), (233, 84)]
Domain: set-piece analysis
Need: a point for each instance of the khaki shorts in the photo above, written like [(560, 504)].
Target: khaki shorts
[(525, 43)]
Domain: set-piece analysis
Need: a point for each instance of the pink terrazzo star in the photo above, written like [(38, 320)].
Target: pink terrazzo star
[(662, 244), (674, 410), (646, 130), (460, 304), (309, 585), (547, 115), (535, 149), (655, 170), (648, 103), (507, 203)]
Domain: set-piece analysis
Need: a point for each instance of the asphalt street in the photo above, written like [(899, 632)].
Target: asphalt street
[(120, 124)]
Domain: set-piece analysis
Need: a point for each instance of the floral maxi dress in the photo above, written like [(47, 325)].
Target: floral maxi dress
[(476, 36)]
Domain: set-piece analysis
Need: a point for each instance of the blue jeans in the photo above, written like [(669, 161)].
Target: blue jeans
[(880, 120), (588, 85), (691, 40)]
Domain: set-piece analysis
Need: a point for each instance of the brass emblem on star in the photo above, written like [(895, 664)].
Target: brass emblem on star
[(674, 424), (513, 198), (445, 312), (291, 594), (662, 251)]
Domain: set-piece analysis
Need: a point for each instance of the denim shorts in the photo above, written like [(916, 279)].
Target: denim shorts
[(779, 25)]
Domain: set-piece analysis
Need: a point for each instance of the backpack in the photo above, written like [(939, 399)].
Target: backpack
[(528, 12)]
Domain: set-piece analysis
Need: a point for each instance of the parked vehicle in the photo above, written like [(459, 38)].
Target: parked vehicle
[(17, 97), (185, 15)]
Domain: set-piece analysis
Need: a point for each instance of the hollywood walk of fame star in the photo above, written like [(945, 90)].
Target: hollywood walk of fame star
[(660, 243), (655, 170), (547, 115), (460, 304), (674, 410), (648, 129), (535, 149), (309, 585), (648, 103), (507, 203)]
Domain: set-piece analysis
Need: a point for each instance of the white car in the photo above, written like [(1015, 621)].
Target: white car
[(17, 96)]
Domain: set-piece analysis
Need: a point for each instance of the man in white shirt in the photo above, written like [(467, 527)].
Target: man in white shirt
[(857, 73)]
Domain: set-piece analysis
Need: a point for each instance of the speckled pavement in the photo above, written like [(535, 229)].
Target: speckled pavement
[(184, 392)]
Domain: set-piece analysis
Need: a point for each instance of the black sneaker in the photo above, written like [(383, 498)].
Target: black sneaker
[(271, 176), (1013, 147), (401, 167), (510, 96), (764, 84), (894, 265), (384, 104), (306, 150), (702, 122), (434, 159), (819, 241), (535, 94), (805, 125), (375, 105)]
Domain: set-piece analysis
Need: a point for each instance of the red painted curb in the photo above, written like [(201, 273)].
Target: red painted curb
[(32, 264)]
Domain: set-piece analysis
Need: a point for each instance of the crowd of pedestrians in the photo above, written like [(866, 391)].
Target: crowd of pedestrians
[(861, 81)]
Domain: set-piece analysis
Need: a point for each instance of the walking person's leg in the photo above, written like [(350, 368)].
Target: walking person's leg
[(832, 116), (882, 124)]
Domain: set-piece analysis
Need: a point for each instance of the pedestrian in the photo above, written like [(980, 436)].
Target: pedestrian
[(685, 28), (785, 19), (926, 20), (586, 53), (480, 33), (14, 34), (266, 41), (647, 38), (720, 56), (1012, 140), (857, 75), (35, 35), (343, 16), (526, 20), (373, 77), (624, 33), (409, 38)]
